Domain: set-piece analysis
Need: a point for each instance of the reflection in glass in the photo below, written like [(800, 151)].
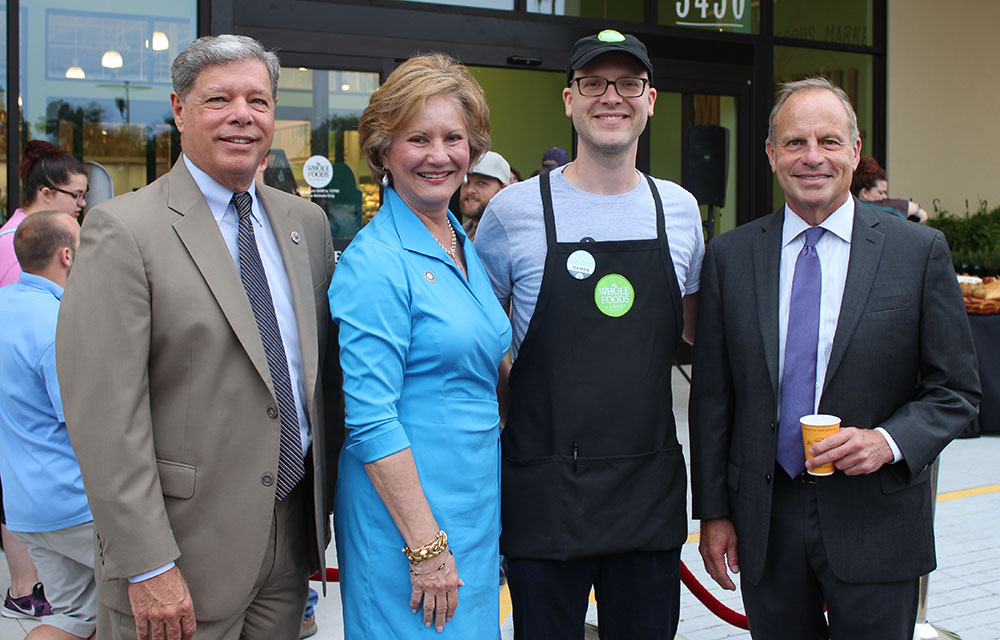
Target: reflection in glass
[(482, 4), (97, 82), (844, 22), (316, 151), (3, 115), (632, 10)]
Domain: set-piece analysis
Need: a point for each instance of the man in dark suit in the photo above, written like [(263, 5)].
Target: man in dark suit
[(874, 332), (191, 351)]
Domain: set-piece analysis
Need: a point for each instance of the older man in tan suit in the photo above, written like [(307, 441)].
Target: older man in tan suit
[(191, 352)]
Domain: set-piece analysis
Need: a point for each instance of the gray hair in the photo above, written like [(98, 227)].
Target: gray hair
[(817, 82), (221, 49)]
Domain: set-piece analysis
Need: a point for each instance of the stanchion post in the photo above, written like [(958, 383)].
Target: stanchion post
[(924, 630)]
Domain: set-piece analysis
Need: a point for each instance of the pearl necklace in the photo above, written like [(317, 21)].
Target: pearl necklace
[(452, 252)]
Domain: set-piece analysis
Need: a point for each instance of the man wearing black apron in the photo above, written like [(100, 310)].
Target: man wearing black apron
[(594, 485)]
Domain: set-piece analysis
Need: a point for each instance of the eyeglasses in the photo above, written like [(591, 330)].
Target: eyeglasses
[(595, 86), (80, 197)]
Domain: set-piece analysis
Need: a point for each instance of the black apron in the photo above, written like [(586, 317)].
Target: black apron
[(591, 462)]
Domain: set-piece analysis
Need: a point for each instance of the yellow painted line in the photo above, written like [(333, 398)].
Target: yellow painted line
[(966, 493), (505, 606)]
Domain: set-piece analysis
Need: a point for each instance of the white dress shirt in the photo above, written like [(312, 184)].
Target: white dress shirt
[(834, 251)]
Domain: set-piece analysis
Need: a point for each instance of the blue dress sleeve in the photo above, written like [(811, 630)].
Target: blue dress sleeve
[(370, 302)]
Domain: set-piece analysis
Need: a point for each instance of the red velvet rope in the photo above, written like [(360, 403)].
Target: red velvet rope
[(723, 612), (332, 575)]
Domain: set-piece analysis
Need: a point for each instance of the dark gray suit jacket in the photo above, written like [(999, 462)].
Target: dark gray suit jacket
[(902, 359)]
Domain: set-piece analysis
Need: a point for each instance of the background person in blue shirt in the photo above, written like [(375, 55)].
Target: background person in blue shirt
[(421, 336), (45, 501)]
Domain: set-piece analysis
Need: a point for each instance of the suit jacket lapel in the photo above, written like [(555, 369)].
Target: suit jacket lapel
[(199, 232), (295, 255), (766, 265), (866, 251)]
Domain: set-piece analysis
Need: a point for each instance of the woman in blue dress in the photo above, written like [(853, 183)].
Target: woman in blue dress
[(421, 337)]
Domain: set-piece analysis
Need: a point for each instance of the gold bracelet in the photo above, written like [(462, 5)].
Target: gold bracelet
[(433, 548)]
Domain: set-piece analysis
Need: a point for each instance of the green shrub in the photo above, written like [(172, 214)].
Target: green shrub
[(974, 239)]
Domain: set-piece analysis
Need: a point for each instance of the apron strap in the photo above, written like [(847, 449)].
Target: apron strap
[(545, 188), (661, 227)]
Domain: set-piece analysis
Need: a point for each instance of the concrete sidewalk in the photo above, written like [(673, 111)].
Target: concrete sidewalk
[(964, 590)]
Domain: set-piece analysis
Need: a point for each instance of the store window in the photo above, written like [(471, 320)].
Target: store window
[(734, 16), (632, 10), (3, 116), (666, 143), (480, 4), (96, 81), (850, 71), (843, 22), (316, 152), (527, 114)]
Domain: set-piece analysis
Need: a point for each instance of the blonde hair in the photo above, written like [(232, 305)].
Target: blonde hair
[(405, 93)]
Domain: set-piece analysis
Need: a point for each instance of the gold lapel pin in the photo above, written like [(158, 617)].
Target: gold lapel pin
[(296, 238), (429, 276)]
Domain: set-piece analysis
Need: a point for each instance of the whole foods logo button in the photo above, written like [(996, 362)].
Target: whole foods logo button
[(614, 295), (317, 171)]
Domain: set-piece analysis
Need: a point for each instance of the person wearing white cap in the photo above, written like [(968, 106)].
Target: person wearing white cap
[(486, 179)]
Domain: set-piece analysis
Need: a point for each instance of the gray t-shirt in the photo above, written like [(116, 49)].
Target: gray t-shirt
[(510, 239)]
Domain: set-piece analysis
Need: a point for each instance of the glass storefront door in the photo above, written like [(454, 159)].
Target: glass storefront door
[(675, 113), (316, 152)]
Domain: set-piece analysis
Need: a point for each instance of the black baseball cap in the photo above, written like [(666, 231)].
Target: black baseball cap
[(588, 48)]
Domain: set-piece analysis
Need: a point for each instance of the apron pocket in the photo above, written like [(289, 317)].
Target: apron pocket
[(557, 508), (532, 504)]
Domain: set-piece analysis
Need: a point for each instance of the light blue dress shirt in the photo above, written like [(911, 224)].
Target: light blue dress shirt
[(43, 489)]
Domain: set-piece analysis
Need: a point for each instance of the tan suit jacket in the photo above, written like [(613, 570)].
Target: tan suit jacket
[(167, 393)]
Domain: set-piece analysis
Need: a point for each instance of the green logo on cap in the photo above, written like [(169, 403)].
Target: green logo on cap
[(610, 35), (614, 295)]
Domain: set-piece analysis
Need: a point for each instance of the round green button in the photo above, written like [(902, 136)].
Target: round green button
[(614, 295)]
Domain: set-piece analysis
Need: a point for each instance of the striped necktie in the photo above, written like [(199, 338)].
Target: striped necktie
[(290, 465)]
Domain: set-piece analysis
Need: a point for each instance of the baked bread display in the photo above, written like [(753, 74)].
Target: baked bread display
[(982, 295)]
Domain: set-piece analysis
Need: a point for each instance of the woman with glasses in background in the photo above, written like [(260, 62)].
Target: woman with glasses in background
[(52, 180)]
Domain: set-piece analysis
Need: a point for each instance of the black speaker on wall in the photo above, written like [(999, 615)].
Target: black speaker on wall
[(705, 163)]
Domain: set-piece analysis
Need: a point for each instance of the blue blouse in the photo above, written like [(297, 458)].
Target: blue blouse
[(419, 347)]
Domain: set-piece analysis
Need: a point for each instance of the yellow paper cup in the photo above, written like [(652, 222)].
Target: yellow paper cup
[(815, 427)]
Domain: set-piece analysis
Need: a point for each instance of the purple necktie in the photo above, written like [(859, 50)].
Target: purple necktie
[(798, 382)]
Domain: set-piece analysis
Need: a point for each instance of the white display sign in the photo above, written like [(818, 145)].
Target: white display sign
[(317, 171)]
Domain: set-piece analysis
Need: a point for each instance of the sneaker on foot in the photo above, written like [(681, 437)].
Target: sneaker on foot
[(308, 628), (41, 604), (21, 607), (31, 606)]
